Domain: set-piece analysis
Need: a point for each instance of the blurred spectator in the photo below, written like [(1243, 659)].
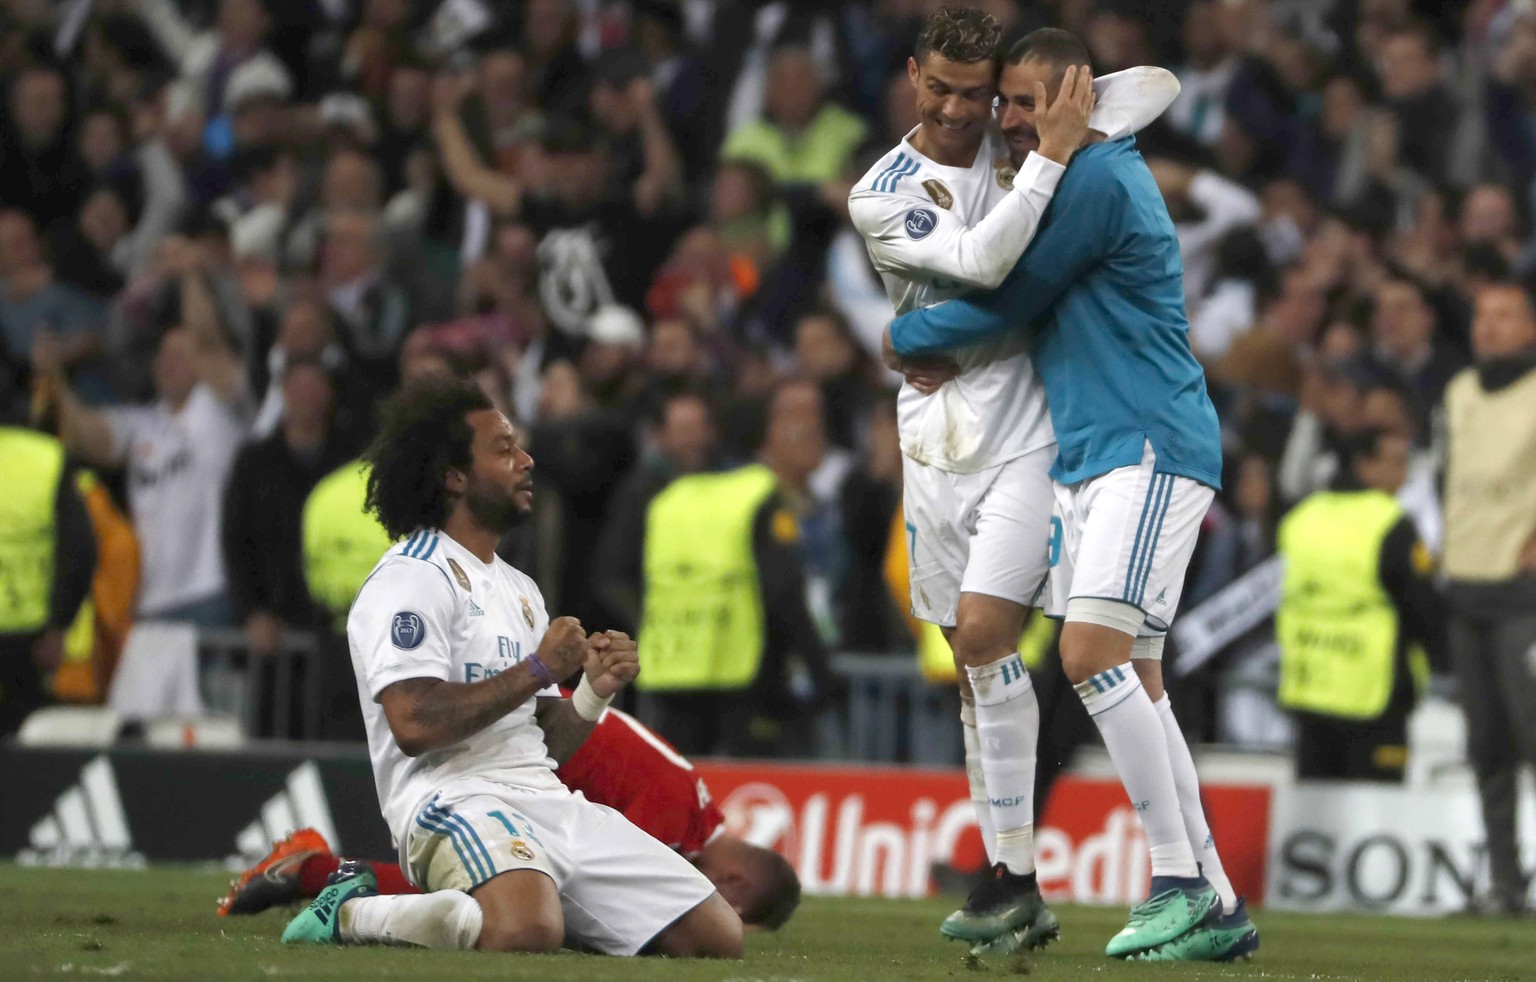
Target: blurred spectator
[(682, 440), (40, 168), (1357, 594), (1408, 344), (676, 361), (867, 617), (221, 65), (1490, 564), (1389, 408), (177, 453), (341, 542), (1205, 207), (1203, 79), (1332, 411), (724, 600), (803, 138), (643, 155), (48, 554), (305, 334), (610, 361), (583, 451), (372, 313), (34, 306), (267, 488), (556, 68), (681, 82), (1412, 80), (500, 114), (827, 353), (405, 121)]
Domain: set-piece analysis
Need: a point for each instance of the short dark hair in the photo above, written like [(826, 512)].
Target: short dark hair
[(1356, 449), (423, 433), (779, 895), (960, 34), (1058, 48)]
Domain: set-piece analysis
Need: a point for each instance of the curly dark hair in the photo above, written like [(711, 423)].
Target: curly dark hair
[(423, 433), (960, 34)]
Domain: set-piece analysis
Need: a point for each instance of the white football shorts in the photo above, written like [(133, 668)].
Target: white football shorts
[(619, 887), (986, 533), (1121, 542)]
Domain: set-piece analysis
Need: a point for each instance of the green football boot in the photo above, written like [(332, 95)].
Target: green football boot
[(1227, 938), (1002, 905), (320, 922), (1176, 906), (1037, 934)]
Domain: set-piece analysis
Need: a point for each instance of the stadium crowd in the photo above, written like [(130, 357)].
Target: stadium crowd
[(228, 228)]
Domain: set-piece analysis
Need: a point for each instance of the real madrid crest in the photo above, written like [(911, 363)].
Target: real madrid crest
[(459, 574), (1005, 172), (939, 193), (527, 611), (520, 849)]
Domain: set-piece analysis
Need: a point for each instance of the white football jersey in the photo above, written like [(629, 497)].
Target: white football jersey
[(432, 609), (919, 220), (935, 232)]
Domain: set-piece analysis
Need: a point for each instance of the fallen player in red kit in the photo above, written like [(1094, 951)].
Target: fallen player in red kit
[(622, 765)]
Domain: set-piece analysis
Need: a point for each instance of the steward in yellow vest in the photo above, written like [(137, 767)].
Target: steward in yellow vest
[(341, 541), (1356, 590), (47, 558), (723, 609), (340, 544)]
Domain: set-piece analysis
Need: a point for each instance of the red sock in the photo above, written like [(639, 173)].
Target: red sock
[(313, 874), (392, 879)]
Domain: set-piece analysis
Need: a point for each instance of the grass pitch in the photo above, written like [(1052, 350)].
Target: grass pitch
[(159, 924)]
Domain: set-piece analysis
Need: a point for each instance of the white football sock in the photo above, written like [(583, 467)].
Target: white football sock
[(976, 780), (1008, 726), (1134, 737), (444, 919), (1187, 781)]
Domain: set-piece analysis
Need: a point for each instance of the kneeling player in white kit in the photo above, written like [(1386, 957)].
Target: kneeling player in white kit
[(945, 211), (456, 662)]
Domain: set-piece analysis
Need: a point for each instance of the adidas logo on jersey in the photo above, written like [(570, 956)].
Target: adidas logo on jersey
[(300, 804), (475, 609), (87, 826)]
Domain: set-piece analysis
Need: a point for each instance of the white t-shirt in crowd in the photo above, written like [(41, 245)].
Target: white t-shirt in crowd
[(432, 609), (178, 464)]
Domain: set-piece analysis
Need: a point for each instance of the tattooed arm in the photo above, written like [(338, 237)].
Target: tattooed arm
[(428, 714)]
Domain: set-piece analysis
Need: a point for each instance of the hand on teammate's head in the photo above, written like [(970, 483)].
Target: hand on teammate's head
[(1063, 123)]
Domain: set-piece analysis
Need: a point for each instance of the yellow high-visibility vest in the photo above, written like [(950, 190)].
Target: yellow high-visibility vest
[(1336, 624), (342, 542), (702, 624), (33, 463)]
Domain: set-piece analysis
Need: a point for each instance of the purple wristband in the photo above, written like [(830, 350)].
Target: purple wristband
[(539, 669)]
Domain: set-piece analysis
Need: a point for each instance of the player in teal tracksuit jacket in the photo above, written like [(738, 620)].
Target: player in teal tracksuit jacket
[(1139, 456)]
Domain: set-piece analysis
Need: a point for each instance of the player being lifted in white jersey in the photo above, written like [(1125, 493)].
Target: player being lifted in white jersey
[(945, 212), (456, 663)]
